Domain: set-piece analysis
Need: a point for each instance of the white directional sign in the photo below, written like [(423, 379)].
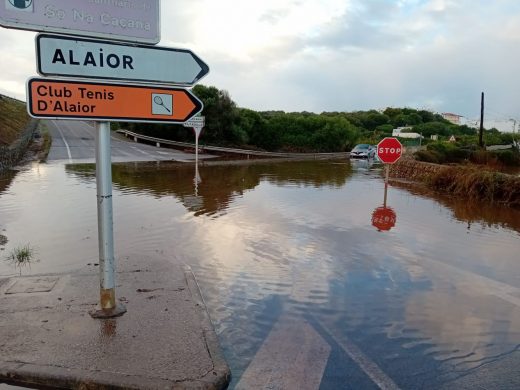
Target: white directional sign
[(70, 56), (196, 121), (125, 20)]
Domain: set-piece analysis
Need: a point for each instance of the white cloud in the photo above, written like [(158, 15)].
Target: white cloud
[(321, 55), (17, 61)]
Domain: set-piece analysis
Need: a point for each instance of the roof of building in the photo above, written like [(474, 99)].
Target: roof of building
[(451, 114)]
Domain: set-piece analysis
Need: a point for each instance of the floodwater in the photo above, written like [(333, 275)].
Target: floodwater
[(295, 275)]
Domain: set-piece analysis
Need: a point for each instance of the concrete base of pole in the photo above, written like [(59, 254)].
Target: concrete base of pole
[(102, 314), (108, 307)]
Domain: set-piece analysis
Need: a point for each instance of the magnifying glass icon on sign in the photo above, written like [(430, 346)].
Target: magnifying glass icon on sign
[(158, 100)]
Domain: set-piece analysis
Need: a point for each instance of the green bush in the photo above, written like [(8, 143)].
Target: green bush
[(430, 156), (456, 154), (448, 152), (507, 157)]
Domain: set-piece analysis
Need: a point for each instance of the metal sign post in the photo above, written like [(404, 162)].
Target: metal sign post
[(389, 151), (197, 135), (387, 175), (108, 306), (197, 123)]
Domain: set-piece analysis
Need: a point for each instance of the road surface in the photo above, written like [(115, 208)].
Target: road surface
[(74, 141)]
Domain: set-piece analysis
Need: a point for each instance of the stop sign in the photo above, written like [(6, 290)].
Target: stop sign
[(389, 150), (384, 218)]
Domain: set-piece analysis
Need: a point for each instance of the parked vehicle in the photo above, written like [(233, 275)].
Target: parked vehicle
[(363, 151)]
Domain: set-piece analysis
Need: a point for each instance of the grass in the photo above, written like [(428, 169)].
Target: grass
[(21, 256), (463, 181), (446, 153), (478, 183), (13, 119)]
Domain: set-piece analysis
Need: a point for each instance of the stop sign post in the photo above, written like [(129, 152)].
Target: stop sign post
[(389, 150)]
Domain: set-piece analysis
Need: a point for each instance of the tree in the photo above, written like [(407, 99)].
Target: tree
[(250, 126), (334, 134), (432, 128), (220, 112)]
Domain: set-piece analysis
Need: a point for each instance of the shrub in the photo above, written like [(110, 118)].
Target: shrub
[(430, 156), (507, 157), (448, 153)]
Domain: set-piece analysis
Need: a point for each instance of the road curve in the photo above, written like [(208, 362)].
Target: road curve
[(74, 142)]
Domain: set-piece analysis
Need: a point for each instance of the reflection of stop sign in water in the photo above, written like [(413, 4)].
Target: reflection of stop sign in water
[(389, 150), (383, 218)]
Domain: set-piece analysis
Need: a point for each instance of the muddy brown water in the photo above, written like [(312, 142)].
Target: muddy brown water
[(434, 302)]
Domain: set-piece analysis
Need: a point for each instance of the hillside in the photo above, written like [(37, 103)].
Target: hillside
[(13, 119)]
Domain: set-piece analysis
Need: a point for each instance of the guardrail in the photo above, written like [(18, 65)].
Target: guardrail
[(244, 152), (499, 147)]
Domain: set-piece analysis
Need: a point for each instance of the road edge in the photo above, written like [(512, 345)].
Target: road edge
[(221, 375)]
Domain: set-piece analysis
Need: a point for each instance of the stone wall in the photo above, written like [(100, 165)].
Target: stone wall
[(415, 170)]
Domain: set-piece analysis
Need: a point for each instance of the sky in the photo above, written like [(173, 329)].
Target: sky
[(338, 55)]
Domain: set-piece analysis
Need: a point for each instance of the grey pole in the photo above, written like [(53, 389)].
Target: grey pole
[(387, 174), (108, 306), (196, 147)]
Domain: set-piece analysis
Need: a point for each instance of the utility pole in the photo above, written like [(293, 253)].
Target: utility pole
[(513, 134), (481, 132)]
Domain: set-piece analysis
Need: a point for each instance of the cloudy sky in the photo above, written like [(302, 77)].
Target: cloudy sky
[(338, 55)]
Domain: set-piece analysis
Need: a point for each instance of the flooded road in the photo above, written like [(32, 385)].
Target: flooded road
[(298, 281)]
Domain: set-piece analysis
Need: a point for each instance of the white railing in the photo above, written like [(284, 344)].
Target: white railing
[(245, 152)]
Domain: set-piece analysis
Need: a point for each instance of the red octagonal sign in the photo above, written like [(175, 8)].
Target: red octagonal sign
[(383, 218), (389, 150)]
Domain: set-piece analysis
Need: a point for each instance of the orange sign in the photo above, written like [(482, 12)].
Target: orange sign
[(49, 98)]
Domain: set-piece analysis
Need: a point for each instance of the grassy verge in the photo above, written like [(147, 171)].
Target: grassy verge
[(476, 183), (13, 119), (448, 153), (465, 182)]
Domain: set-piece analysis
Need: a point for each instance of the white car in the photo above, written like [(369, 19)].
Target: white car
[(363, 151)]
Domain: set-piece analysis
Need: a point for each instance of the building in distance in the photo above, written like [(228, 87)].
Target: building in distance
[(453, 118)]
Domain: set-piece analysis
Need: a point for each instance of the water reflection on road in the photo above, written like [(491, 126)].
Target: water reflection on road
[(294, 272)]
